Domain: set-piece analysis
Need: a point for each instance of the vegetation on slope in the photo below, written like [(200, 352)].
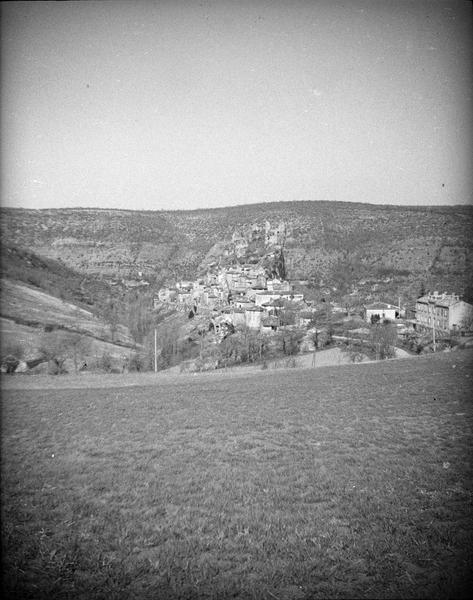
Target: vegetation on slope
[(327, 239), (46, 293), (51, 276)]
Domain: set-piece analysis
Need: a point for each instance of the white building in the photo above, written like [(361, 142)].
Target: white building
[(266, 296), (253, 317), (276, 285), (167, 295), (381, 310)]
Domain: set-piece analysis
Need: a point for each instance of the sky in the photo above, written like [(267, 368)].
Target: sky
[(199, 104)]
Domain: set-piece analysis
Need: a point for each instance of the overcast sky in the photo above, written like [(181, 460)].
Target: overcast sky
[(173, 104)]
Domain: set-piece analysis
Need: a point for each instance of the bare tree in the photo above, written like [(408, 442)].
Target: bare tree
[(52, 347), (466, 323), (58, 346), (383, 340), (77, 346)]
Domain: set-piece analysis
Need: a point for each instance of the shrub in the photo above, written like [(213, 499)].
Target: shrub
[(139, 362), (9, 363), (290, 340), (104, 362), (13, 348), (353, 324), (56, 367), (355, 354), (185, 366)]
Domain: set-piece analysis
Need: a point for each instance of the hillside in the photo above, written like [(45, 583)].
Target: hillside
[(53, 277), (329, 242), (28, 315)]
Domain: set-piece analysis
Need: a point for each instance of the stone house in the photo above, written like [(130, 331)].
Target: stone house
[(234, 315), (265, 296), (167, 294), (253, 317), (269, 324), (184, 296), (276, 285), (443, 312)]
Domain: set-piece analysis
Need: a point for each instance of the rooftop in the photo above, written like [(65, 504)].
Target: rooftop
[(380, 306), (273, 293), (439, 299)]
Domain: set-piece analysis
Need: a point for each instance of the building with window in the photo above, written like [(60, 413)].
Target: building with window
[(444, 312), (382, 311)]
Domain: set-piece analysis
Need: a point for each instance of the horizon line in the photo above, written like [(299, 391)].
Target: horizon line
[(233, 206)]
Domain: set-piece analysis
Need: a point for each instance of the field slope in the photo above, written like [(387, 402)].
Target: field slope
[(341, 482)]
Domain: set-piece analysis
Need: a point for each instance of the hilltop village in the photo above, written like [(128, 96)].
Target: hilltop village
[(252, 293), (246, 285)]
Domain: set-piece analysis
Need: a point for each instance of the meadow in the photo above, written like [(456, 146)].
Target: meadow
[(339, 482)]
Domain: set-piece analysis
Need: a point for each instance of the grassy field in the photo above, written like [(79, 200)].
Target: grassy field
[(338, 482)]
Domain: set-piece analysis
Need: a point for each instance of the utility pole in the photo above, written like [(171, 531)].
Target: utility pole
[(155, 350), (433, 333)]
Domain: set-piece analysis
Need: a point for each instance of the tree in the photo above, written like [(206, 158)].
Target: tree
[(351, 303), (54, 350), (57, 346), (325, 336), (289, 340), (280, 266), (229, 350), (242, 346), (77, 347), (141, 316), (342, 276), (322, 316), (413, 341), (105, 362), (468, 293), (355, 349), (383, 338), (466, 324), (287, 315), (208, 356), (12, 353), (111, 317)]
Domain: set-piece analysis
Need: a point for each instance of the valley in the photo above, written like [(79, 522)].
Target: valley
[(327, 239), (115, 276)]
